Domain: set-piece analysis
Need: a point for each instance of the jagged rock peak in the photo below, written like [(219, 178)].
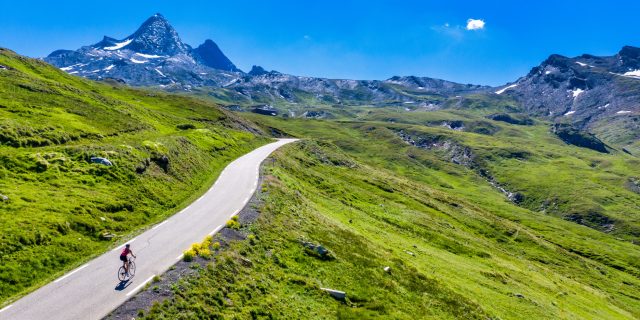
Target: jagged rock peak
[(156, 36), (257, 71), (210, 55)]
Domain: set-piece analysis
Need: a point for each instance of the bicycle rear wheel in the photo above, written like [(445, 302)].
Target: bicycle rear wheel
[(122, 275)]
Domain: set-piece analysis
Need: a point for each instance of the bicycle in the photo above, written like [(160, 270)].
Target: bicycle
[(123, 275)]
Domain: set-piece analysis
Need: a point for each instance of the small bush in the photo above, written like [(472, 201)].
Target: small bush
[(216, 245), (233, 224), (205, 253), (156, 279), (234, 218), (186, 126), (252, 239), (207, 242), (196, 247), (188, 255)]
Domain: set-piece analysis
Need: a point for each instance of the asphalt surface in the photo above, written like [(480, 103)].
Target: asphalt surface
[(93, 290)]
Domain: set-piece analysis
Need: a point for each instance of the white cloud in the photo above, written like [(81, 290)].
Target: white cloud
[(475, 24)]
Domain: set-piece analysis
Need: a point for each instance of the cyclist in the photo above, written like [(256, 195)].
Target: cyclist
[(123, 257)]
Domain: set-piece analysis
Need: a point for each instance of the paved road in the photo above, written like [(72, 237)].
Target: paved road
[(93, 290)]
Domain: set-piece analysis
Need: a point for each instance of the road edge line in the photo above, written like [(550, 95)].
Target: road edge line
[(70, 273), (140, 286)]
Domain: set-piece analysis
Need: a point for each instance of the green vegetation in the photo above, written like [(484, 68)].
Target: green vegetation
[(456, 247), (62, 208)]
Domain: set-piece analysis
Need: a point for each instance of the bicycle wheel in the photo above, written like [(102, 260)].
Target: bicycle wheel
[(132, 268), (121, 274)]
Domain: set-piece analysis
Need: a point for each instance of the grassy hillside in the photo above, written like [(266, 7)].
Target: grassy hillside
[(456, 246), (58, 208)]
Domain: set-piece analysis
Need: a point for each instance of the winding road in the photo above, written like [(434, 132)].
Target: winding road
[(92, 290)]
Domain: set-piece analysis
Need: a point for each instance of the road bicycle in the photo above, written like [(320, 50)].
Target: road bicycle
[(123, 275)]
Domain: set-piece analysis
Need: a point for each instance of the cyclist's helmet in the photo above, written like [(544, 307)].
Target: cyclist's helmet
[(127, 245)]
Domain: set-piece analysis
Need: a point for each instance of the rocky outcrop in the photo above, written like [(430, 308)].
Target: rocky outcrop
[(573, 136), (508, 118)]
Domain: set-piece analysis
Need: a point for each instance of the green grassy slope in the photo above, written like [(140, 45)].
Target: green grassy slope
[(360, 190), (61, 208)]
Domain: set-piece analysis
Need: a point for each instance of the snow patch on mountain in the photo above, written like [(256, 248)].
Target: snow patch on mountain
[(633, 73), (119, 45), (576, 92), (149, 56), (501, 91)]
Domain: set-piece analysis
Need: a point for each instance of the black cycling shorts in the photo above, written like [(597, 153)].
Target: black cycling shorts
[(123, 258)]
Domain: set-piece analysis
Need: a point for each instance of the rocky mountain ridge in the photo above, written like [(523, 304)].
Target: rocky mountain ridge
[(154, 55), (590, 92)]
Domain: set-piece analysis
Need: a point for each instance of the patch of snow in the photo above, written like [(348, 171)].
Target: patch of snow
[(137, 61), (576, 92), (420, 88), (94, 71), (633, 73), (119, 45), (73, 72), (623, 112), (506, 88), (547, 72), (149, 56), (160, 72), (67, 68), (604, 107), (203, 73), (569, 113), (581, 64), (109, 67), (409, 102)]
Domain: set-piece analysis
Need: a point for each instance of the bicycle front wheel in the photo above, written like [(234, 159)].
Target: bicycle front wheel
[(132, 268)]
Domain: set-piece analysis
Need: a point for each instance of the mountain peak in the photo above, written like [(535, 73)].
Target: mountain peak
[(211, 56), (257, 71), (157, 36)]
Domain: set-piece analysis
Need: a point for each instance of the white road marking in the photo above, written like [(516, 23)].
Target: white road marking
[(179, 257), (5, 308), (72, 272), (140, 286), (216, 229), (160, 224)]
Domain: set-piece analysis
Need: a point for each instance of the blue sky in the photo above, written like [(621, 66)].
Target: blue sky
[(347, 39)]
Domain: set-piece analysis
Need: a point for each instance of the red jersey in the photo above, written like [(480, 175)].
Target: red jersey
[(125, 252)]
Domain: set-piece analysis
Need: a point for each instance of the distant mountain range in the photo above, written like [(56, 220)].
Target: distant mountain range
[(600, 94), (155, 55)]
